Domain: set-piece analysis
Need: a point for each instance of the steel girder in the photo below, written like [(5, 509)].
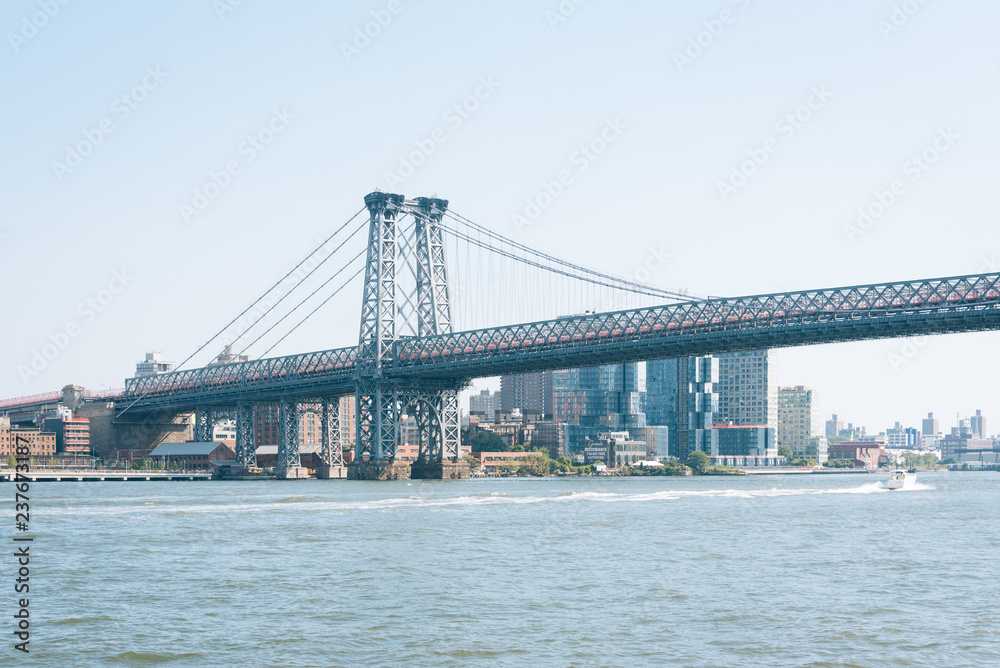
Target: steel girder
[(329, 372), (203, 424), (964, 303), (433, 306), (246, 449), (438, 430), (288, 434), (332, 454), (445, 361)]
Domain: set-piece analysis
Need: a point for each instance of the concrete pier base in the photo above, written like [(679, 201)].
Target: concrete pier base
[(291, 473), (383, 470), (440, 470), (325, 472)]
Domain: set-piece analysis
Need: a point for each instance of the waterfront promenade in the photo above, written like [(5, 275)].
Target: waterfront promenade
[(69, 475)]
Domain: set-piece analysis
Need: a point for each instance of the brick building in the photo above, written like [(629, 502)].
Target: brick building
[(863, 454), (42, 444)]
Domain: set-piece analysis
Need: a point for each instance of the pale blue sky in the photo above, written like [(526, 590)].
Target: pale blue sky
[(657, 185)]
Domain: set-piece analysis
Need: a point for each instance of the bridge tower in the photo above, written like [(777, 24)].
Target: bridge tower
[(405, 296)]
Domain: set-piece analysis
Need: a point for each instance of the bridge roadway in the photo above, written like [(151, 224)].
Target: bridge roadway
[(932, 306)]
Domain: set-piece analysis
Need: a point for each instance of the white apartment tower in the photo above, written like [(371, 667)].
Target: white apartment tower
[(748, 389), (798, 419)]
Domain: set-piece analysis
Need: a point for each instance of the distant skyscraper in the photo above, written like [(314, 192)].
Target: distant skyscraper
[(528, 392), (748, 389), (485, 404), (976, 424), (834, 426), (930, 426), (798, 419)]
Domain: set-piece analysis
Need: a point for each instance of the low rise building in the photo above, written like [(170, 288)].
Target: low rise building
[(747, 461), (743, 441), (72, 434), (41, 444), (615, 449), (490, 461), (862, 454), (194, 456)]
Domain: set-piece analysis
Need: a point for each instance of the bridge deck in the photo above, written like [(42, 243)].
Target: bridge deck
[(957, 304)]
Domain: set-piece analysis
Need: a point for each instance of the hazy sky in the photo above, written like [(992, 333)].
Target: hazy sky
[(116, 116)]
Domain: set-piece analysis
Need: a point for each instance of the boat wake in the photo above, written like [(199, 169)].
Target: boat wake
[(299, 504)]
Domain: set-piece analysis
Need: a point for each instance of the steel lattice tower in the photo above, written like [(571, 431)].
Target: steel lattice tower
[(398, 254)]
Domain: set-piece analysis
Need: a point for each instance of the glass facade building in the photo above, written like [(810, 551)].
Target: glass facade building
[(595, 400)]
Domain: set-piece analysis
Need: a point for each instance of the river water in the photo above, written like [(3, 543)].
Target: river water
[(820, 570)]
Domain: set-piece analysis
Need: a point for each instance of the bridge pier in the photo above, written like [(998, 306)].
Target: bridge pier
[(328, 472), (446, 470), (378, 470)]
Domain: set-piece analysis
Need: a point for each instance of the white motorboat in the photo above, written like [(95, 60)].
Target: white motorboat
[(900, 479)]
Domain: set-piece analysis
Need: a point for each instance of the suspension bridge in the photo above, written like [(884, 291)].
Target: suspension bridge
[(424, 336)]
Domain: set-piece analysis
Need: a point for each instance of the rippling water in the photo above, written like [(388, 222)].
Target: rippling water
[(756, 571)]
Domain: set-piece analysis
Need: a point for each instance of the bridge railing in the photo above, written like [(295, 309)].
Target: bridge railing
[(769, 311)]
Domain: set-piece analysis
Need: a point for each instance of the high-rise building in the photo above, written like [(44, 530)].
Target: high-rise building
[(748, 389), (798, 419), (931, 426), (976, 425), (698, 406), (528, 392), (681, 397), (834, 426), (661, 396), (595, 400), (485, 405)]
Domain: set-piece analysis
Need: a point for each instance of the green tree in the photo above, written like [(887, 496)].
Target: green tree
[(473, 462), (786, 452), (517, 447), (487, 441), (698, 461), (11, 461)]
